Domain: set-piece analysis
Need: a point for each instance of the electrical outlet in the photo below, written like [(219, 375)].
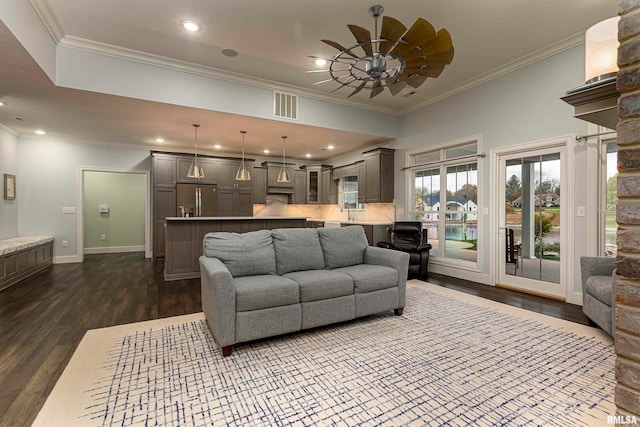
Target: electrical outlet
[(103, 237), (65, 243)]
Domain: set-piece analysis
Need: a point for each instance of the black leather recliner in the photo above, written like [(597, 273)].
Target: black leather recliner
[(408, 236)]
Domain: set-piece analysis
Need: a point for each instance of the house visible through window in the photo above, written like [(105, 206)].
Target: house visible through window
[(445, 199)]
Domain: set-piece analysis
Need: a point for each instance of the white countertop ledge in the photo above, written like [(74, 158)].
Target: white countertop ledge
[(15, 244)]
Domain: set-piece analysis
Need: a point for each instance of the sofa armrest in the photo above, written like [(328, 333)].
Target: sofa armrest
[(218, 300), (596, 266), (391, 258)]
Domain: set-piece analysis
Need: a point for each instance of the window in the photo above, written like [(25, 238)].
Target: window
[(445, 199), (608, 198), (348, 193)]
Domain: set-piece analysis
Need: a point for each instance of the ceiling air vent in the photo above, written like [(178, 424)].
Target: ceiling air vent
[(285, 106)]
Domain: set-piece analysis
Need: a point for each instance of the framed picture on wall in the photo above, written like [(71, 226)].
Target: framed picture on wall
[(9, 187)]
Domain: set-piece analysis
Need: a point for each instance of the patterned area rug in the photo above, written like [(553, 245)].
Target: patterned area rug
[(451, 359)]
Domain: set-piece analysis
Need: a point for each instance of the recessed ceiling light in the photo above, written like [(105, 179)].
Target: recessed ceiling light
[(2, 104), (229, 52), (320, 62), (265, 151), (190, 25), (40, 132), (160, 139), (217, 146), (330, 147), (308, 155)]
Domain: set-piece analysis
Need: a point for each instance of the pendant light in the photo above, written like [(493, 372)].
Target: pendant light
[(284, 176), (243, 173), (195, 171)]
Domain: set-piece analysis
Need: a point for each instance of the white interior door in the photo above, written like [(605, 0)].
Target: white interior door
[(532, 235)]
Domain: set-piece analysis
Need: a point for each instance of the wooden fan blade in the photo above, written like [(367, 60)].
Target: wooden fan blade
[(339, 47), (442, 43), (376, 91), (363, 36), (392, 30), (346, 83), (420, 32), (396, 87), (429, 71), (443, 58), (358, 89), (416, 81)]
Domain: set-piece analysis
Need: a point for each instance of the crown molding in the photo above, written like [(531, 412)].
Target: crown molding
[(56, 31), (532, 58), (106, 49), (9, 130), (49, 19)]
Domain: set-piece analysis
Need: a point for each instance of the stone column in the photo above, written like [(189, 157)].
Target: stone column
[(627, 280)]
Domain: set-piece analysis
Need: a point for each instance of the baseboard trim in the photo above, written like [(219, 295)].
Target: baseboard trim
[(113, 249), (67, 259)]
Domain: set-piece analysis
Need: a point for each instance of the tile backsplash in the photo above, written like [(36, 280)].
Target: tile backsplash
[(383, 213)]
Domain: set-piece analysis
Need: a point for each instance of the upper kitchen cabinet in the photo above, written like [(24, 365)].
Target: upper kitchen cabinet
[(209, 166), (227, 170), (164, 170), (376, 179), (299, 195), (329, 187), (259, 183), (319, 184)]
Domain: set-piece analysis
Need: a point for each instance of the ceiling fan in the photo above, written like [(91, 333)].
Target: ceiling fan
[(396, 59)]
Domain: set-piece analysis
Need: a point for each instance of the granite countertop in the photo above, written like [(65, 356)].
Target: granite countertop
[(16, 244), (232, 218)]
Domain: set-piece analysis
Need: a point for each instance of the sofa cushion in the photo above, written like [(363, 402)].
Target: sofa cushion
[(297, 249), (265, 291), (245, 254), (344, 246), (601, 288), (368, 278), (321, 284)]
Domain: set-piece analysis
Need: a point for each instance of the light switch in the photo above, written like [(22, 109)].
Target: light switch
[(103, 208), (581, 211)]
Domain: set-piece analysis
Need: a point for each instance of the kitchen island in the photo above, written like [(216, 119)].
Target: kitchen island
[(184, 236)]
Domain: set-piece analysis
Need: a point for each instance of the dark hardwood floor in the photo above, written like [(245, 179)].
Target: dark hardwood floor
[(43, 318)]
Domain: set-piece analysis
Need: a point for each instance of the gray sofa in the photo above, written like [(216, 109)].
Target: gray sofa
[(270, 282), (598, 292)]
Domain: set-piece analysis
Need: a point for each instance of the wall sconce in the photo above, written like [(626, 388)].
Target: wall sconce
[(601, 50)]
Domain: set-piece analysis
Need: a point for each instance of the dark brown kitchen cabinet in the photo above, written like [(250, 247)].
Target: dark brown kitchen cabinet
[(259, 183), (164, 205), (299, 195), (235, 202), (209, 167), (227, 170), (329, 187), (376, 179), (164, 171)]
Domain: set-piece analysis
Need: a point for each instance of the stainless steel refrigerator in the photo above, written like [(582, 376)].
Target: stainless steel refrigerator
[(197, 200)]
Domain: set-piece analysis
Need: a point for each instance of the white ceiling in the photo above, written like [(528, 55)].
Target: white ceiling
[(273, 39)]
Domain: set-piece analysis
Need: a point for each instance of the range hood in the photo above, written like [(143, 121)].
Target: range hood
[(273, 186)]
